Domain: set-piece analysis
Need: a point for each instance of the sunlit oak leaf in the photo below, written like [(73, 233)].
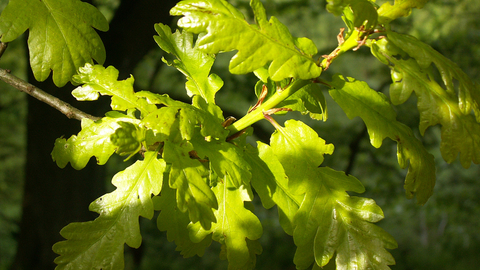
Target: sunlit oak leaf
[(187, 119), (98, 80), (192, 62), (356, 13), (363, 244), (225, 159), (188, 177), (161, 122), (99, 244), (298, 141), (357, 99), (210, 126), (267, 42), (206, 116), (236, 228), (468, 94), (329, 221), (164, 99), (61, 35), (308, 100), (271, 184), (460, 129), (92, 140), (336, 7), (91, 245), (175, 223), (209, 108), (401, 8), (254, 249)]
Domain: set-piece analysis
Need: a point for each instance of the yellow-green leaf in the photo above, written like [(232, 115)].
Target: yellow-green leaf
[(61, 35), (99, 244), (224, 29), (357, 99)]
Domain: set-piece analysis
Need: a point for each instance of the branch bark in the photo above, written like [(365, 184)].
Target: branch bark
[(3, 47), (63, 107)]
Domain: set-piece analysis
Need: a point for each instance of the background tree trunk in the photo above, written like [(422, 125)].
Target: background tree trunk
[(54, 197)]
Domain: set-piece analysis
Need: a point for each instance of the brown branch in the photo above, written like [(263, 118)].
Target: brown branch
[(3, 47), (63, 107)]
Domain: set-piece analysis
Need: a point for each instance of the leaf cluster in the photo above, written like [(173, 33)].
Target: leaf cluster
[(196, 167), (453, 103)]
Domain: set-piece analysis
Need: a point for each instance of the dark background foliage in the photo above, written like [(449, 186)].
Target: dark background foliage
[(37, 199)]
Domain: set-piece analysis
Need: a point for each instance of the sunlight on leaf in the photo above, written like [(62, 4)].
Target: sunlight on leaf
[(175, 223), (328, 220), (61, 35), (192, 62), (401, 8), (98, 80), (257, 45), (186, 176), (235, 227), (450, 107), (92, 140), (99, 244), (357, 99), (454, 79), (271, 184), (225, 159), (299, 141)]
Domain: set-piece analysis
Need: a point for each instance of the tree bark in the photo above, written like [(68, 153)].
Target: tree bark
[(54, 197)]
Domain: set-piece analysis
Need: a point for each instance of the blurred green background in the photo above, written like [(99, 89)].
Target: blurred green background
[(443, 234)]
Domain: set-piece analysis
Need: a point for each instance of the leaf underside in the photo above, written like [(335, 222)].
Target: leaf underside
[(357, 99), (455, 108)]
